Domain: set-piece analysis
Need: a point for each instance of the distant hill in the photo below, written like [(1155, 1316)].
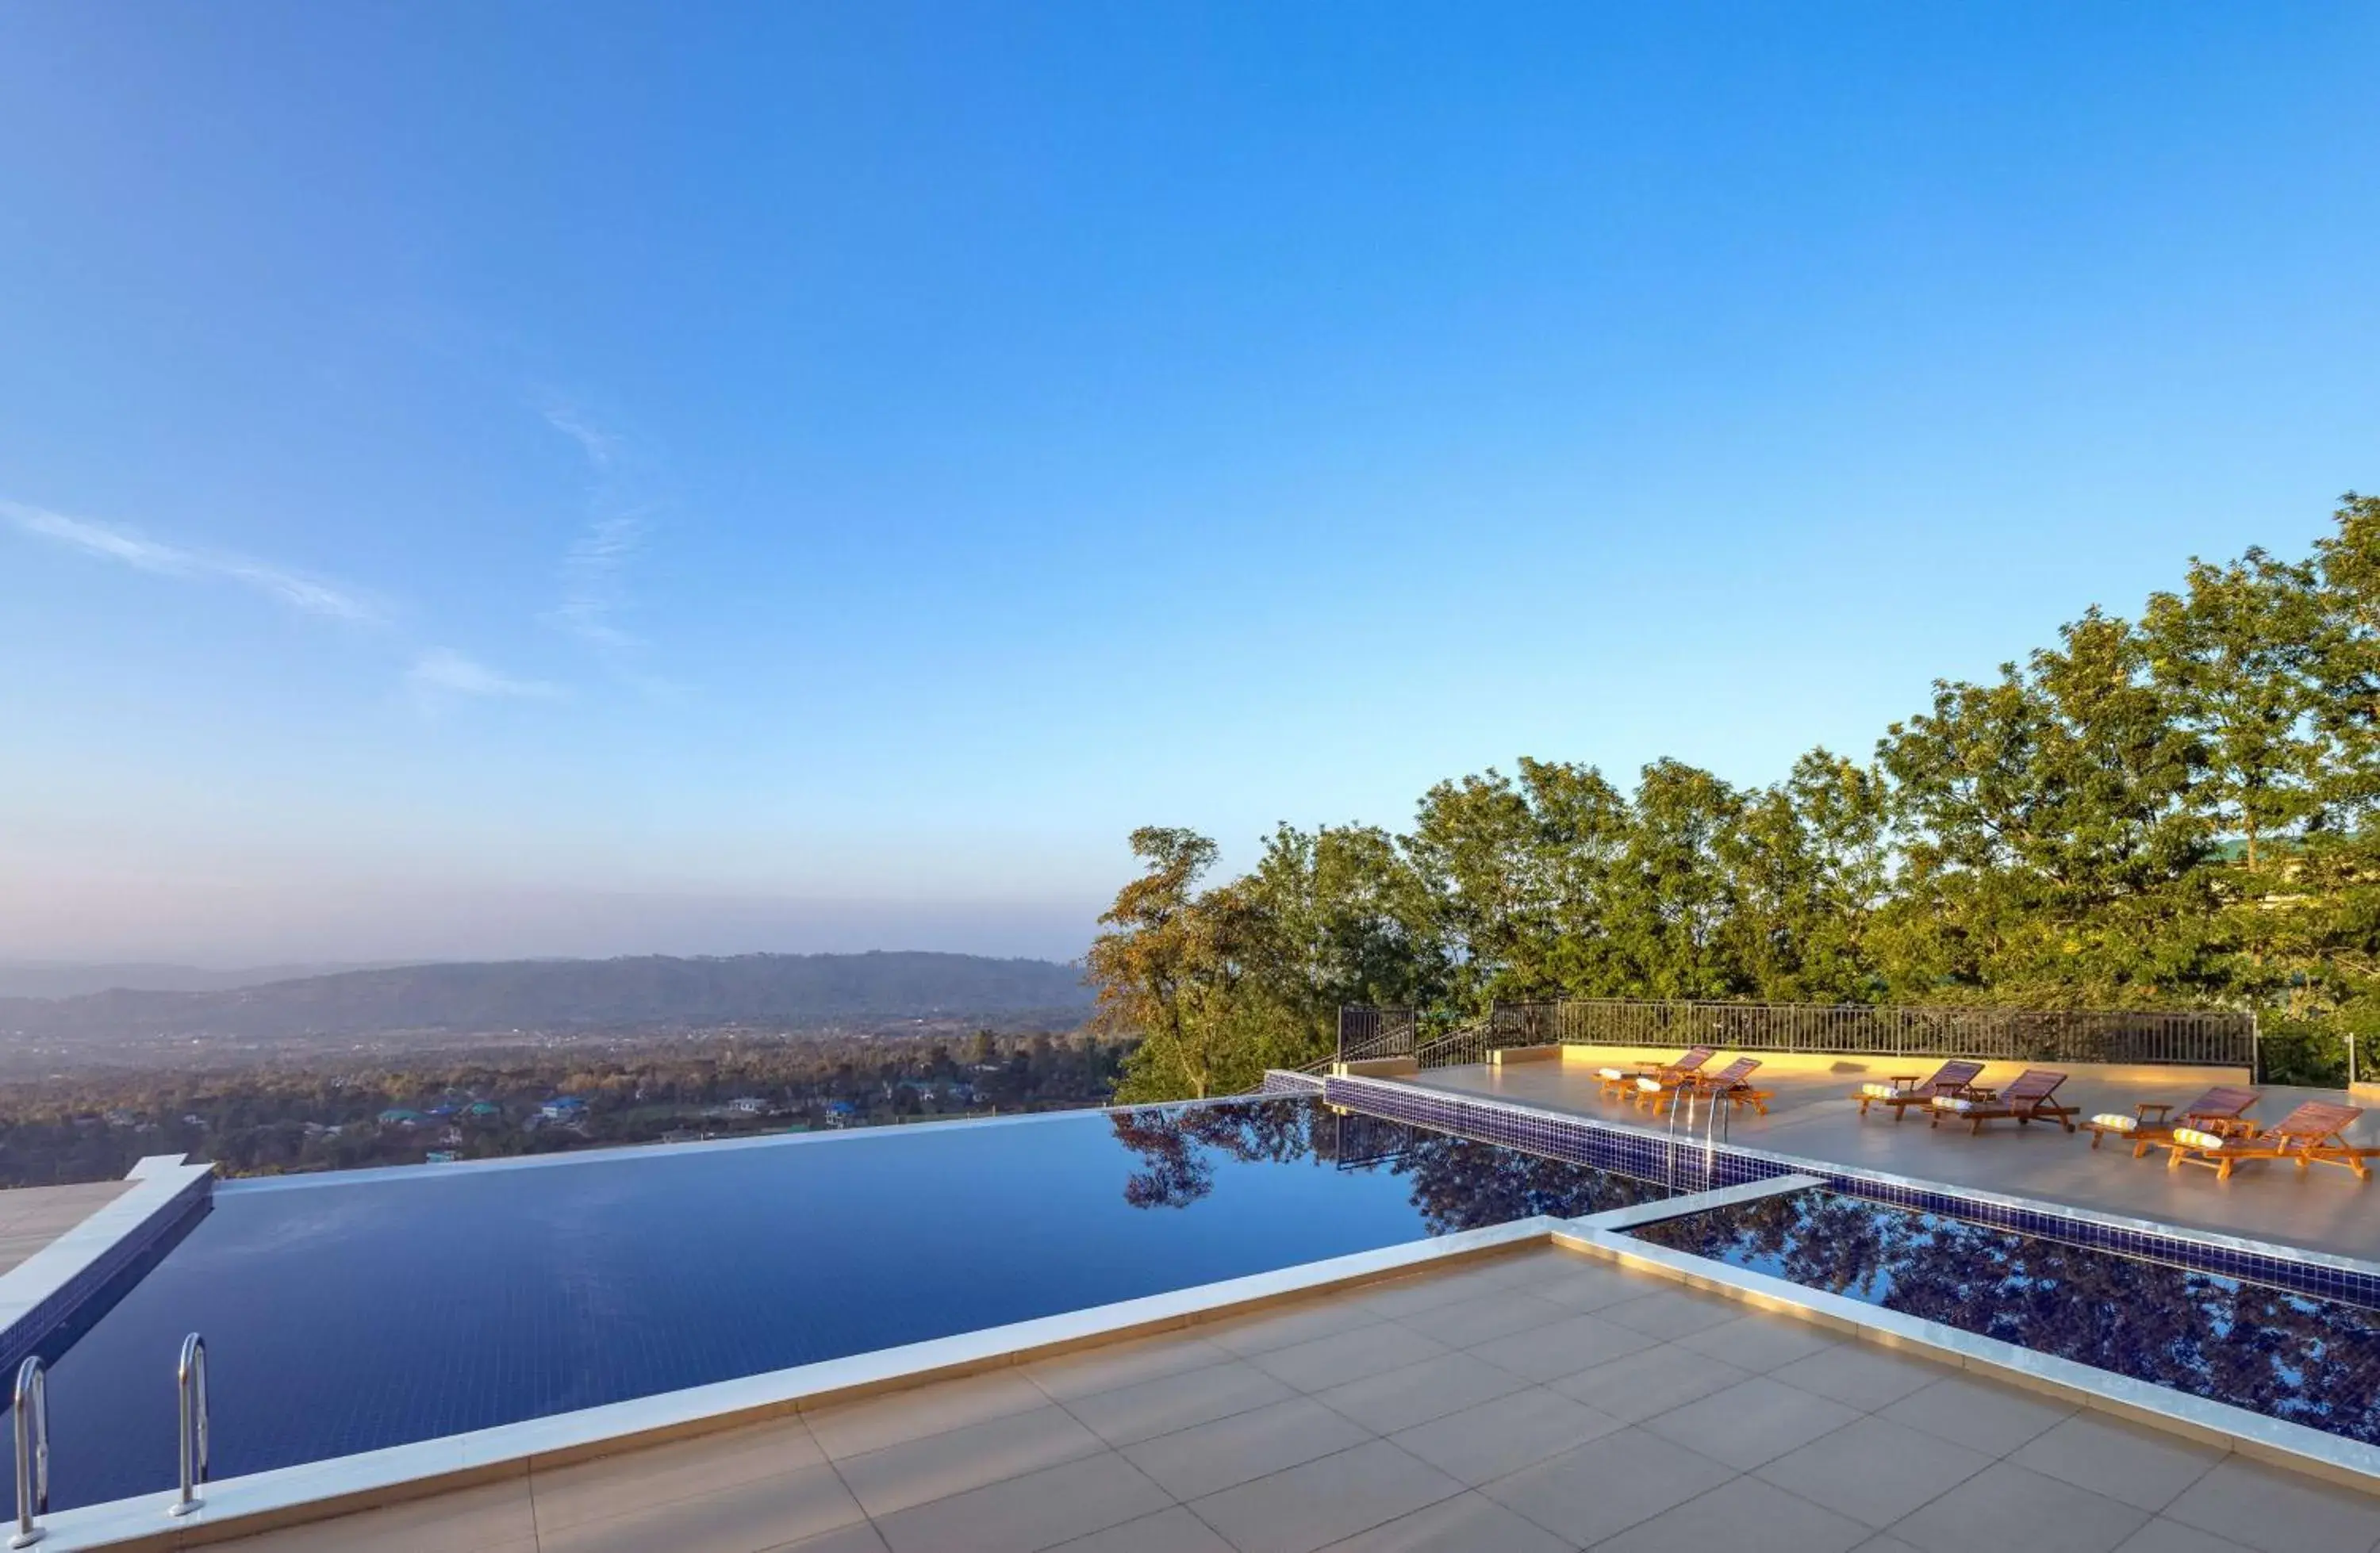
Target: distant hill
[(793, 991), (58, 978)]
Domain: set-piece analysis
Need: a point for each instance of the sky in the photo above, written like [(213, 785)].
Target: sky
[(481, 478)]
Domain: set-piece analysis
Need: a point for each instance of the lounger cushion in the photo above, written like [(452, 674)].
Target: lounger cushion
[(1882, 1091), (1650, 1086), (1953, 1102), (2114, 1123), (1614, 1075), (2196, 1139)]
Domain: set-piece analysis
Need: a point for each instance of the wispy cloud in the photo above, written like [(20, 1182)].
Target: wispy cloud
[(600, 445), (442, 674), (622, 504), (129, 547), (592, 588)]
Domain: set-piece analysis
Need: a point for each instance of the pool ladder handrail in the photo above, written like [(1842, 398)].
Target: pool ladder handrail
[(190, 1381), (30, 1412)]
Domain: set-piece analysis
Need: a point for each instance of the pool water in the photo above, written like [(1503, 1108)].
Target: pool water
[(2275, 1351), (346, 1314)]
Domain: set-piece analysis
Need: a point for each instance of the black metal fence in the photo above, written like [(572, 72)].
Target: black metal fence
[(2197, 1037)]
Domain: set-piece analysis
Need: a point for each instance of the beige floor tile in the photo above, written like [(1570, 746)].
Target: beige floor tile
[(858, 1538), (1862, 1375), (1022, 1514), (1980, 1414), (1607, 1486), (493, 1518), (1465, 1524), (1650, 1381), (1401, 1397), (1168, 1531), (1563, 1348), (1124, 1363), (1672, 1312), (1487, 1315), (1325, 1501), (2005, 1506), (1874, 1472), (1752, 1423), (1501, 1437), (1745, 1513), (2279, 1511), (1286, 1327), (958, 1460), (1583, 1283), (1322, 1363), (612, 1484), (747, 1517), (854, 1428), (2161, 1536), (1760, 1342), (1177, 1402), (2141, 1466), (1213, 1457)]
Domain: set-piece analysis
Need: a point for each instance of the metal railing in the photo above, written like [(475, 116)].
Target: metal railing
[(29, 1414), (191, 1380), (2204, 1036)]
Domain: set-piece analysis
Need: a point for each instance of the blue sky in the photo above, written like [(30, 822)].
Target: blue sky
[(490, 479)]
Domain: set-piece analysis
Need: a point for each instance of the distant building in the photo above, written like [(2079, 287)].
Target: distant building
[(564, 1108), (749, 1105), (483, 1109), (840, 1113), (441, 1157), (397, 1116)]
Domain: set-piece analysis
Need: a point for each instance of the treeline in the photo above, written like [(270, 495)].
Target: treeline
[(92, 1126), (2168, 810)]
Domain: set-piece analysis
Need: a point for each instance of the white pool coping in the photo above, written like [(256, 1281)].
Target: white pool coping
[(610, 1154), (43, 1289)]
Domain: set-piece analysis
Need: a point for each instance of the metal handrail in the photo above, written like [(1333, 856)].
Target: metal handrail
[(191, 1380), (30, 1414)]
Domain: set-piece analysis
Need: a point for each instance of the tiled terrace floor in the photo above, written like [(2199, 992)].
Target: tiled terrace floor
[(2323, 1208), (32, 1217), (1542, 1400)]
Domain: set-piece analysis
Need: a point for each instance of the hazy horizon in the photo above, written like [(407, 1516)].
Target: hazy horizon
[(495, 480)]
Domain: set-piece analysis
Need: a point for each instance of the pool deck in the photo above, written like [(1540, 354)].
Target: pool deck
[(1815, 1116), (1537, 1401), (32, 1217)]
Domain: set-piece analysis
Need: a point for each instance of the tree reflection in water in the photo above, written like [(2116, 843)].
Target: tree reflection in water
[(2285, 1355), (1457, 1184)]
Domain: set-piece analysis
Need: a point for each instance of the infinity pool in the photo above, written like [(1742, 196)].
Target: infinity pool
[(344, 1314), (2272, 1351)]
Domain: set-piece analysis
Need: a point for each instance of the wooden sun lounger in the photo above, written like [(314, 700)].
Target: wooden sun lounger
[(1902, 1090), (2219, 1111), (1622, 1083), (1731, 1083), (2312, 1134), (2030, 1098)]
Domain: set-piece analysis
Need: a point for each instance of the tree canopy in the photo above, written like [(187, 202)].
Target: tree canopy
[(2172, 810)]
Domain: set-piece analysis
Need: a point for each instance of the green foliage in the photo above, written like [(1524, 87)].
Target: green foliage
[(2178, 811)]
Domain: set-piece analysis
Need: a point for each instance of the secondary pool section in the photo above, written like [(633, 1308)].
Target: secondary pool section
[(2284, 1354), (346, 1314)]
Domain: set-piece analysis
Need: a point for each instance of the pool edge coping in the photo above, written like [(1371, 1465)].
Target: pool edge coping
[(317, 1491), (46, 1288)]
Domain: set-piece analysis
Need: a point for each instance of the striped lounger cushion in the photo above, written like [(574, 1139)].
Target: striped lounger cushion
[(1882, 1091), (1650, 1086), (2196, 1139), (1952, 1102), (1614, 1075), (2114, 1123)]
